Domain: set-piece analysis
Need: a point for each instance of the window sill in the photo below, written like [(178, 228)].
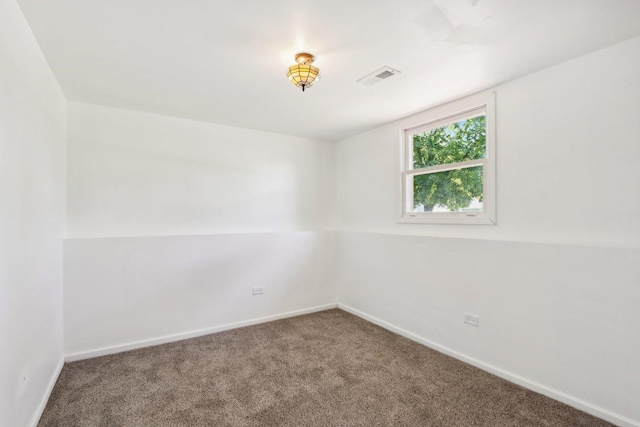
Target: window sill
[(447, 218)]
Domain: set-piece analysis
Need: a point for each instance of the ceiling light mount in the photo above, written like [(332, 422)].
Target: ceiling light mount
[(303, 74), (304, 58)]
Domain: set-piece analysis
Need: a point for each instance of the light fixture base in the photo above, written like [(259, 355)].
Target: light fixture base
[(305, 58)]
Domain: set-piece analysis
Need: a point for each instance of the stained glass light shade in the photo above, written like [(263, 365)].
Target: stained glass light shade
[(303, 75)]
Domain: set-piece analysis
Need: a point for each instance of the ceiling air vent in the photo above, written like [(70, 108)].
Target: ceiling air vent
[(378, 76)]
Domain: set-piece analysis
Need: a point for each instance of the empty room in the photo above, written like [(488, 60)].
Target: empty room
[(319, 213)]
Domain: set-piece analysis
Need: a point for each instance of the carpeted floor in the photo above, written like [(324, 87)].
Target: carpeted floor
[(323, 369)]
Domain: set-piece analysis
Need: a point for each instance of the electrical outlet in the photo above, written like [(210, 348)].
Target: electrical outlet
[(471, 319), (258, 291)]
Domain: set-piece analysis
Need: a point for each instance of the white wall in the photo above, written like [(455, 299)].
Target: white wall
[(127, 290), (563, 316), (140, 174), (567, 155), (562, 312), (32, 150), (201, 214)]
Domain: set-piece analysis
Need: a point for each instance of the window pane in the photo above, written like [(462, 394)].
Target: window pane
[(456, 142), (458, 190)]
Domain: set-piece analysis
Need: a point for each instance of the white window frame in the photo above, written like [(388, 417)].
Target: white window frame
[(451, 113)]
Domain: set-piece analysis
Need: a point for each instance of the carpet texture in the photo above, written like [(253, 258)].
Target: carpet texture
[(324, 369)]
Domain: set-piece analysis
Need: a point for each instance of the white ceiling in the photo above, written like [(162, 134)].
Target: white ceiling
[(225, 61)]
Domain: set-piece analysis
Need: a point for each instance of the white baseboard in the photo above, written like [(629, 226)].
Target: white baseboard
[(43, 403), (72, 357), (575, 402)]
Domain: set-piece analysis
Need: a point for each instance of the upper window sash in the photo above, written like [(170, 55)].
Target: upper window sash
[(444, 121)]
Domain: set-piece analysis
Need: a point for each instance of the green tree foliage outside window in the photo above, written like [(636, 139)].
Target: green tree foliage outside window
[(457, 142)]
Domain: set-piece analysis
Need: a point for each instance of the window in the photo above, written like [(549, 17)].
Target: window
[(448, 166)]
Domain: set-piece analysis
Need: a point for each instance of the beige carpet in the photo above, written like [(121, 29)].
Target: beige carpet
[(323, 369)]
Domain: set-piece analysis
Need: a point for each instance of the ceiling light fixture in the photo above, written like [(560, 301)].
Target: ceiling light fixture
[(304, 74)]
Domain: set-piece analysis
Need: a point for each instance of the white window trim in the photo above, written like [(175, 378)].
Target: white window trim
[(432, 119)]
